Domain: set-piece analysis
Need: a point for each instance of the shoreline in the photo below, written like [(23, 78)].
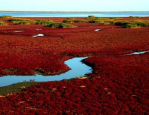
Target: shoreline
[(78, 11)]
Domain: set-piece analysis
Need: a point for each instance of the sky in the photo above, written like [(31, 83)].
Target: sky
[(74, 5)]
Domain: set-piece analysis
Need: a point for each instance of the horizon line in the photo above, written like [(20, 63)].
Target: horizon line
[(71, 11)]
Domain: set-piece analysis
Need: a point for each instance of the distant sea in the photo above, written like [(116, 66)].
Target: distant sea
[(72, 14)]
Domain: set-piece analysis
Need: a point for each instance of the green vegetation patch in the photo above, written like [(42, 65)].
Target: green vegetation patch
[(6, 16), (68, 21), (60, 25), (73, 20), (131, 26), (134, 16), (44, 22), (3, 23), (39, 71), (121, 23), (80, 21), (10, 70), (91, 16), (16, 87), (28, 21), (22, 21), (101, 20), (132, 23)]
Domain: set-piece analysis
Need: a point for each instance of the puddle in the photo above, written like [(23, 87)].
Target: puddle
[(38, 29), (97, 30), (38, 35), (18, 31), (138, 53), (78, 69)]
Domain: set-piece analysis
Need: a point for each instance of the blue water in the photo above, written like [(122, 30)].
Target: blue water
[(138, 53), (78, 69), (49, 14)]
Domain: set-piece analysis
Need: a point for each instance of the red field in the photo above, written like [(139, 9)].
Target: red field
[(118, 84)]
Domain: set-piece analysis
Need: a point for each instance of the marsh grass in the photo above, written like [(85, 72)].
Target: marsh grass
[(28, 21), (91, 16), (132, 23), (3, 23), (134, 16), (68, 21), (80, 21), (44, 22), (60, 25), (73, 20), (101, 20), (22, 21), (10, 70), (16, 87), (6, 16)]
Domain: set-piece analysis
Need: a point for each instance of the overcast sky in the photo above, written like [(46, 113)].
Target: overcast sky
[(75, 5)]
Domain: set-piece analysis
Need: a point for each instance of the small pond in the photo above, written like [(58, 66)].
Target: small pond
[(138, 53), (38, 35), (96, 30)]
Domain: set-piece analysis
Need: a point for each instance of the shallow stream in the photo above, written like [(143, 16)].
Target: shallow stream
[(78, 69)]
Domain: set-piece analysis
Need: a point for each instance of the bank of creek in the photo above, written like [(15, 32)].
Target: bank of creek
[(77, 69)]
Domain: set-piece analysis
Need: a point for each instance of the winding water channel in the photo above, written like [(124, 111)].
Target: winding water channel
[(78, 69)]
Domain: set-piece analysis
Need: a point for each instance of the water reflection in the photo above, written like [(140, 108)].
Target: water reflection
[(38, 29), (138, 53), (18, 31), (97, 30), (78, 69), (38, 35)]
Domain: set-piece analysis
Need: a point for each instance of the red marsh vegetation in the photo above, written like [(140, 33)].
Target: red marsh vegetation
[(118, 84)]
